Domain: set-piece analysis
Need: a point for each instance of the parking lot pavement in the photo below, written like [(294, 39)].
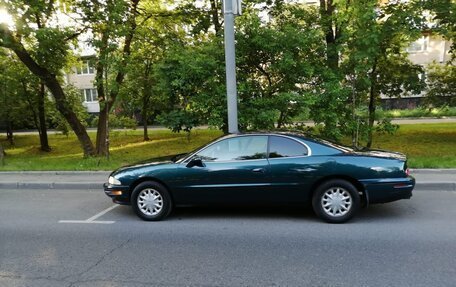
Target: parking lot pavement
[(78, 238)]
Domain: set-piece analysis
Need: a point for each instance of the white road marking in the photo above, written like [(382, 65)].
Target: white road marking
[(85, 221), (92, 220), (102, 213)]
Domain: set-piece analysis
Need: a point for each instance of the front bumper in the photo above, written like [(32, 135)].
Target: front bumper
[(119, 193), (388, 189)]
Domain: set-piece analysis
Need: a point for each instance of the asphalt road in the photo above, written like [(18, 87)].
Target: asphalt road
[(63, 238)]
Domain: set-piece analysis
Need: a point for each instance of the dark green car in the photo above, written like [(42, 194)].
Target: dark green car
[(271, 168)]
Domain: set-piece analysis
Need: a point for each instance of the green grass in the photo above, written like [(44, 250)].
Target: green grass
[(419, 113), (126, 147), (426, 145)]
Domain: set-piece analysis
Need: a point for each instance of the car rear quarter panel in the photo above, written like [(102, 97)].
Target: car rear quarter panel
[(363, 167), (383, 179)]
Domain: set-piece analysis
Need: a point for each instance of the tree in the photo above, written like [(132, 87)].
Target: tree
[(278, 63), (43, 47), (141, 92), (377, 63), (112, 24), (23, 98), (443, 19), (190, 76), (441, 85)]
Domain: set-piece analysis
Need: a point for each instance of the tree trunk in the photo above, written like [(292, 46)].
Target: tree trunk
[(102, 130), (2, 155), (372, 104), (9, 132), (281, 119), (53, 85), (145, 116), (215, 17), (332, 33), (42, 120), (371, 118)]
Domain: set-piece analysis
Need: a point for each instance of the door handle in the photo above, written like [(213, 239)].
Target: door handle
[(258, 170)]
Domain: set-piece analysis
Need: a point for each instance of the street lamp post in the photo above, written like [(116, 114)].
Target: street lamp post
[(231, 8)]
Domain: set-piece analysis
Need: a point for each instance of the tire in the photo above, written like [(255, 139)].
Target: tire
[(336, 201), (151, 201)]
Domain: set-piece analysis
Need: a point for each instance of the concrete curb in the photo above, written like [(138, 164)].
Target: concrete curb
[(52, 185)]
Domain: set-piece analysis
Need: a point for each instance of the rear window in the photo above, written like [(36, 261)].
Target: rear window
[(285, 147)]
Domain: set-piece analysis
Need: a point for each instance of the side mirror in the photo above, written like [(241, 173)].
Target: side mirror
[(195, 162)]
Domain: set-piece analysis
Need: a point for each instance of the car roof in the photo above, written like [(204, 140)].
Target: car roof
[(296, 135)]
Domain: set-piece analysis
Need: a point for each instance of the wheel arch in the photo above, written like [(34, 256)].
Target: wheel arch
[(358, 185), (151, 178)]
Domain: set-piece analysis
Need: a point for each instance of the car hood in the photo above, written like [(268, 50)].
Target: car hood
[(152, 162), (381, 154)]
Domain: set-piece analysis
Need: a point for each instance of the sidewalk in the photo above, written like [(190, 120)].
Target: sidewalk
[(426, 179)]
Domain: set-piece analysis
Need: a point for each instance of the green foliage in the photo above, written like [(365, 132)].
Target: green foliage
[(386, 127), (444, 111), (267, 53), (18, 90), (443, 20), (374, 61), (192, 78), (179, 120), (441, 80), (122, 122), (73, 101)]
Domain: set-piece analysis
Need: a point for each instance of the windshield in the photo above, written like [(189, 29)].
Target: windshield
[(184, 156)]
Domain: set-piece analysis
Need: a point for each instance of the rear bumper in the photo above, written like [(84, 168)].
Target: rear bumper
[(388, 189), (119, 193)]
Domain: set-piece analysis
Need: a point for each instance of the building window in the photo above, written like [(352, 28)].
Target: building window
[(86, 68), (419, 45), (89, 95)]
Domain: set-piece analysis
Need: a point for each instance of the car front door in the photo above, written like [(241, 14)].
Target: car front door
[(292, 169), (232, 170)]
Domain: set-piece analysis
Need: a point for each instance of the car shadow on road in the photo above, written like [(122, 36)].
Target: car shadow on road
[(231, 211), (239, 212), (378, 212)]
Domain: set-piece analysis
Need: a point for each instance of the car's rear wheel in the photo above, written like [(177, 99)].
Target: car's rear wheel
[(151, 201), (336, 201)]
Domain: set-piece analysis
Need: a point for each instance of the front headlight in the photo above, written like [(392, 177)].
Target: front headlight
[(113, 181)]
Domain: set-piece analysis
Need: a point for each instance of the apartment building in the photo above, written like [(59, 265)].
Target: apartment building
[(83, 78)]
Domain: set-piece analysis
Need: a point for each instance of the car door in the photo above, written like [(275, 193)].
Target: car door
[(292, 169), (232, 170)]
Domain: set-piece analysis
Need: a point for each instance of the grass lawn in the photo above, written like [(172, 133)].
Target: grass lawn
[(126, 147), (426, 145)]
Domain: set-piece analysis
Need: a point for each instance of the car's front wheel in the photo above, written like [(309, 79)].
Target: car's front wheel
[(151, 201), (336, 201)]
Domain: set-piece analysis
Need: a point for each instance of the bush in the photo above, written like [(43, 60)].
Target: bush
[(116, 122)]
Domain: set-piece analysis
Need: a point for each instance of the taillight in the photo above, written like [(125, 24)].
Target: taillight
[(407, 171)]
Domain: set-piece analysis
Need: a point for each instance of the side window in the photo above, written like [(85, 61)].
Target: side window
[(239, 148), (284, 147)]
